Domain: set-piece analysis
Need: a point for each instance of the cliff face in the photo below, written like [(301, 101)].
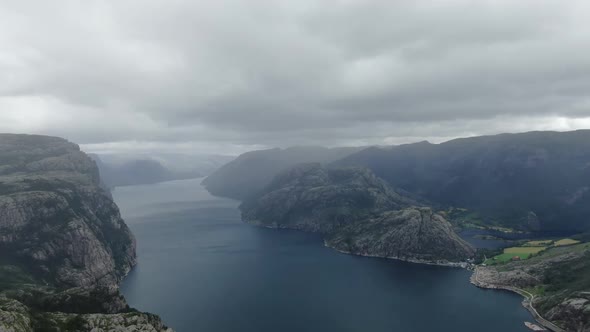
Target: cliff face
[(60, 230), (357, 213), (56, 219), (415, 233)]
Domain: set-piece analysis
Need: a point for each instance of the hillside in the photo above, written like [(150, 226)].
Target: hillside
[(137, 171), (531, 181), (356, 212), (252, 171), (555, 282), (64, 245)]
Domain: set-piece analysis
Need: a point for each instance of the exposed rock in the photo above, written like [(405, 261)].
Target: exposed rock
[(14, 316), (64, 232), (55, 217), (558, 280), (312, 198), (573, 314), (357, 213), (408, 234)]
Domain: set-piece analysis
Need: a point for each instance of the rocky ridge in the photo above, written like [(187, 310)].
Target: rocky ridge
[(356, 212), (64, 245)]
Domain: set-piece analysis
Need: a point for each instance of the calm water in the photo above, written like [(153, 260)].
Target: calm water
[(201, 269)]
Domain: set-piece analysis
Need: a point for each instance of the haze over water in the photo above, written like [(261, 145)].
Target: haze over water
[(202, 269)]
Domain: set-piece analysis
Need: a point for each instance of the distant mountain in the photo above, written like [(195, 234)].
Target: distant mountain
[(531, 181), (356, 212), (252, 171), (141, 171)]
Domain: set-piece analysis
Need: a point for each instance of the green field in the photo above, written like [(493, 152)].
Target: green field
[(528, 250), (565, 242), (524, 250), (538, 243), (509, 253)]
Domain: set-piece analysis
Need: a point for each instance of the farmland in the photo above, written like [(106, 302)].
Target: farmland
[(512, 252), (565, 242), (528, 250), (538, 243)]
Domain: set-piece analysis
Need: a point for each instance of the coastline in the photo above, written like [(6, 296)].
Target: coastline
[(462, 265), (527, 297), (527, 301)]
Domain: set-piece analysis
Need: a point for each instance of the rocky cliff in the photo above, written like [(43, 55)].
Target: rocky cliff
[(357, 213), (414, 234), (64, 245)]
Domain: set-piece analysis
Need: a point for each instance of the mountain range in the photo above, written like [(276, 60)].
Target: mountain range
[(356, 212), (535, 181), (134, 169), (250, 172)]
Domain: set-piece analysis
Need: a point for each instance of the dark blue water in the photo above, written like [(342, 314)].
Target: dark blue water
[(473, 237), (201, 269)]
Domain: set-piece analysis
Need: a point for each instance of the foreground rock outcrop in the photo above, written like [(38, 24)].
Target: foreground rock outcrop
[(64, 245), (357, 213)]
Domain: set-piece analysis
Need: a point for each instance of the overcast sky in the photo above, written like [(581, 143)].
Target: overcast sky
[(228, 76)]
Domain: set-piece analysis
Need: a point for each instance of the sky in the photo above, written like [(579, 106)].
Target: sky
[(226, 77)]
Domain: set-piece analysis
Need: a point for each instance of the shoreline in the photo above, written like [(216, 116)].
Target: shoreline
[(527, 301), (527, 297), (462, 265)]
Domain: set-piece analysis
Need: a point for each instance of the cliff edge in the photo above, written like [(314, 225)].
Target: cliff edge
[(64, 245)]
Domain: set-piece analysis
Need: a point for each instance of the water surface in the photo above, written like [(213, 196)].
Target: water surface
[(201, 269)]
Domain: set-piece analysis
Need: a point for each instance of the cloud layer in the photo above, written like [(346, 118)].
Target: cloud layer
[(232, 75)]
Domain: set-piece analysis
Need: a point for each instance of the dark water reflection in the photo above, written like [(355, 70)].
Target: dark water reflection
[(201, 269)]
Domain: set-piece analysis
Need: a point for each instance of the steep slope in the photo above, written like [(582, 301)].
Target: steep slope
[(60, 233), (357, 213), (252, 171), (415, 234), (531, 181), (557, 279)]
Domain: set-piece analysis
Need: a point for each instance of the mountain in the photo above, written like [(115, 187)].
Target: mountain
[(536, 181), (252, 171), (356, 212), (137, 171), (64, 245)]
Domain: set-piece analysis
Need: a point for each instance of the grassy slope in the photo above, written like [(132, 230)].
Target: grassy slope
[(562, 278)]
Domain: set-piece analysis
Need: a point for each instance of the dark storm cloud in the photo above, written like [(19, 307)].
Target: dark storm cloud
[(244, 73)]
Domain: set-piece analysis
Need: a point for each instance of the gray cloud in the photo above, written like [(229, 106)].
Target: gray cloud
[(234, 75)]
